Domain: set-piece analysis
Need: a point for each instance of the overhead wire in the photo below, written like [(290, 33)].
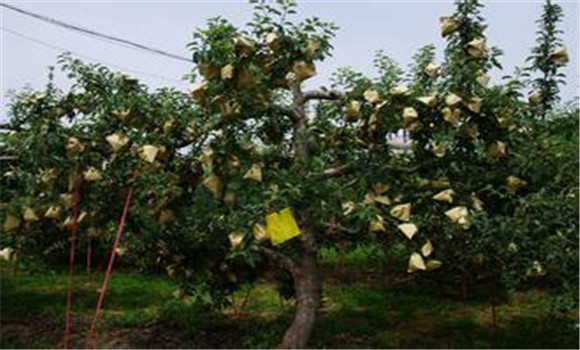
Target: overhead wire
[(62, 49), (109, 38)]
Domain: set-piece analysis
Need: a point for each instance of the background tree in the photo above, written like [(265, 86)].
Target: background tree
[(546, 59)]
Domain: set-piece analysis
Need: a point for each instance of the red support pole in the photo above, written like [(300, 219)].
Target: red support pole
[(109, 268), (99, 266)]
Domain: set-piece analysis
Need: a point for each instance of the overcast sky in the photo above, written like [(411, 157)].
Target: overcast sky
[(398, 27)]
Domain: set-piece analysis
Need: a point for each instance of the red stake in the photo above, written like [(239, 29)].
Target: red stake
[(109, 267), (99, 267), (71, 268)]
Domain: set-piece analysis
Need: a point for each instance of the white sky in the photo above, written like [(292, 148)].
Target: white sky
[(398, 27)]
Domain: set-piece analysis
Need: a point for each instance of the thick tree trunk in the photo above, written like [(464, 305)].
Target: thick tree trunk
[(308, 296), (307, 283)]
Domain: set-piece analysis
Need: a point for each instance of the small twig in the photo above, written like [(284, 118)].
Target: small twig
[(8, 126), (281, 259), (333, 172), (322, 95), (351, 182), (401, 169), (339, 228), (338, 171)]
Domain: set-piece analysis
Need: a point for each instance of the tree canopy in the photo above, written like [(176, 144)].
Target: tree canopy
[(249, 170)]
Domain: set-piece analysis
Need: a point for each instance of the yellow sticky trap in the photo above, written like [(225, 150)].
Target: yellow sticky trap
[(281, 226)]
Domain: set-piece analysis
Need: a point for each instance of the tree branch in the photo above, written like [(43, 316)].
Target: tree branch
[(401, 169), (346, 168), (286, 111), (338, 227), (322, 95), (338, 171), (280, 259), (8, 126), (333, 172)]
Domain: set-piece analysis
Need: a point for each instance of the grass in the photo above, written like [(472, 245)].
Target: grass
[(360, 255), (39, 299), (139, 311), (129, 295)]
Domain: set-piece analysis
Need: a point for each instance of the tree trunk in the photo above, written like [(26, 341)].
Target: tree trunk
[(307, 283), (308, 295)]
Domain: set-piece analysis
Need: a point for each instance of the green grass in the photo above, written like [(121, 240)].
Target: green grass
[(128, 294), (363, 256), (362, 316), (139, 311), (131, 300)]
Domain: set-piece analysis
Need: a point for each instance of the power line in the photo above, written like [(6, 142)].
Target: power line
[(93, 33), (62, 49)]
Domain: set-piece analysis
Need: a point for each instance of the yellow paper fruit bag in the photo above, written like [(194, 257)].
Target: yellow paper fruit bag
[(281, 226)]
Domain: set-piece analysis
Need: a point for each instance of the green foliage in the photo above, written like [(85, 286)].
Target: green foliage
[(546, 60), (247, 141), (389, 72), (361, 255), (548, 217), (466, 53), (421, 80)]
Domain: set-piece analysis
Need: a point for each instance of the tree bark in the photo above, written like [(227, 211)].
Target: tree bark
[(307, 283), (308, 287)]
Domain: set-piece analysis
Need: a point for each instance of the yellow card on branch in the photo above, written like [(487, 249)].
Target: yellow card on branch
[(281, 226)]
